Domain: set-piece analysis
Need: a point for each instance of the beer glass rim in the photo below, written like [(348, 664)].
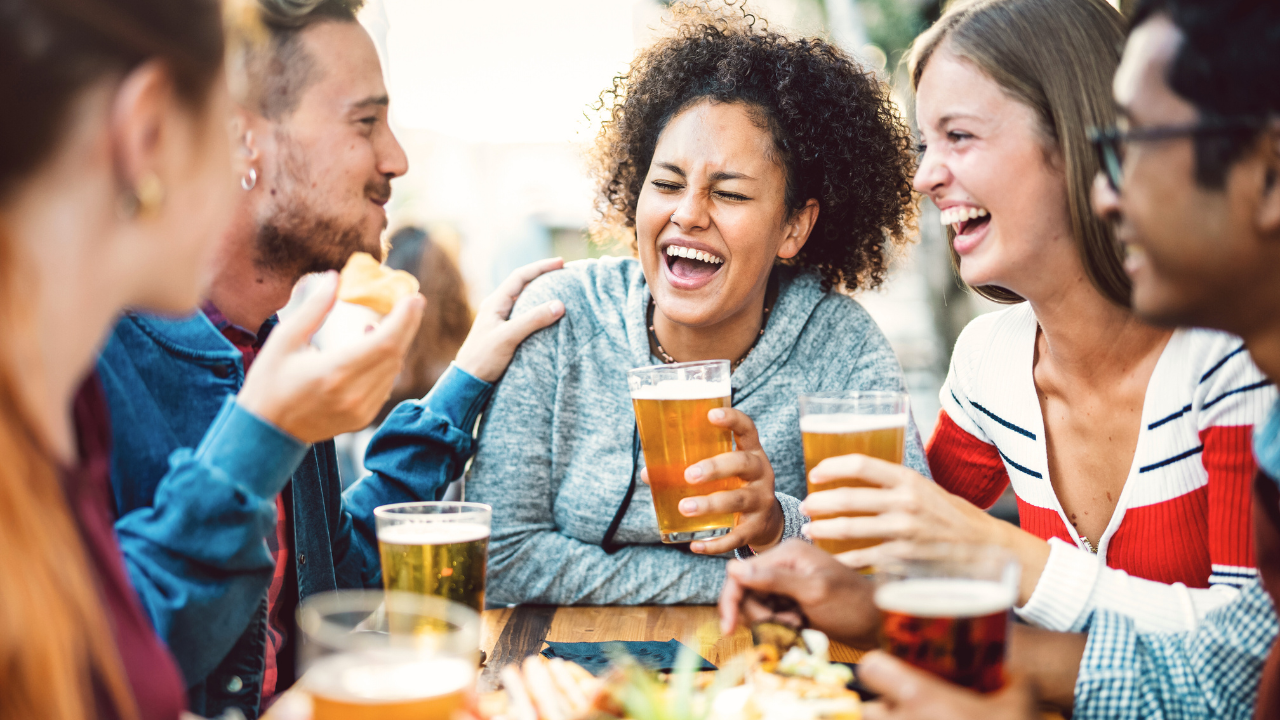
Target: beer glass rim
[(678, 366), (314, 615), (397, 510), (923, 560)]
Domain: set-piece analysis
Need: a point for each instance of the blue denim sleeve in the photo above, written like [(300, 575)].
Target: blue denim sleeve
[(196, 556), (422, 446)]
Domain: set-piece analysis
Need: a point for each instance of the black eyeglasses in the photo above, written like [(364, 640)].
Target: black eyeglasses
[(1110, 142)]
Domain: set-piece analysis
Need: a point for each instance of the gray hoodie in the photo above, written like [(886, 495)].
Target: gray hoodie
[(555, 448)]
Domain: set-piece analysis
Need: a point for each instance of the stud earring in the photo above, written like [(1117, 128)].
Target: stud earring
[(146, 198), (248, 182)]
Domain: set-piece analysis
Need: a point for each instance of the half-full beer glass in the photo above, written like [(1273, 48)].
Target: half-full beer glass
[(947, 610), (369, 655), (435, 548), (672, 402), (872, 423)]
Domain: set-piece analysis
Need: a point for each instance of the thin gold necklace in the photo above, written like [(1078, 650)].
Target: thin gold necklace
[(771, 296)]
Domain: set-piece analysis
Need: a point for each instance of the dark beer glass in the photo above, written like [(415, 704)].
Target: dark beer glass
[(947, 610)]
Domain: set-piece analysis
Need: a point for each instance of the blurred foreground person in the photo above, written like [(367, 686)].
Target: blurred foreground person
[(1192, 185), (216, 412), (1127, 443), (757, 173), (115, 181)]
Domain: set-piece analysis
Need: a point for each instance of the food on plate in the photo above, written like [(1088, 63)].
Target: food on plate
[(800, 685), (365, 281)]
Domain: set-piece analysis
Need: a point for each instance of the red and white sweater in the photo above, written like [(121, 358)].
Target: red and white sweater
[(1180, 542)]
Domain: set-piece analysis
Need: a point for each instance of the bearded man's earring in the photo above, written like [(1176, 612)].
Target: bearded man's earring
[(249, 181)]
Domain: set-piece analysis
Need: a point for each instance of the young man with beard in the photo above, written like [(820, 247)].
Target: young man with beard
[(205, 452), (1193, 187)]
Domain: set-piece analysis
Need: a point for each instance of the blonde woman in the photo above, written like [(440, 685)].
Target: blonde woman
[(1127, 444)]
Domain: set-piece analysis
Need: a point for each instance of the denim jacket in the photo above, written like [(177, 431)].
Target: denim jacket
[(195, 477)]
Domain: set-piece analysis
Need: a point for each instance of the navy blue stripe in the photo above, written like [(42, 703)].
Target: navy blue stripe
[(1172, 460), (1004, 422), (1209, 373), (1016, 466), (953, 397), (1229, 393), (1223, 573), (1231, 583), (1171, 418)]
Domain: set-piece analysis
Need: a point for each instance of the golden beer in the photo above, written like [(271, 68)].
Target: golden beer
[(828, 430), (361, 687), (671, 404), (445, 559)]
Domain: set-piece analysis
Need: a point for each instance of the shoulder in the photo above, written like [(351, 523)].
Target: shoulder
[(1228, 388), (991, 342), (594, 285)]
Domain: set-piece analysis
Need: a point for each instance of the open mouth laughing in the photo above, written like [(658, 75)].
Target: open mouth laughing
[(689, 265), (969, 223)]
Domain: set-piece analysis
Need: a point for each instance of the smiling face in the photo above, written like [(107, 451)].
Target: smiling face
[(1188, 249), (996, 178), (328, 164), (712, 216)]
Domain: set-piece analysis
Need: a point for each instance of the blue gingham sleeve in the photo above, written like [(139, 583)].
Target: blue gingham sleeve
[(1212, 671)]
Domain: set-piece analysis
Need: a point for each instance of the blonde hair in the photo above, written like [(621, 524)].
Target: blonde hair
[(1058, 58)]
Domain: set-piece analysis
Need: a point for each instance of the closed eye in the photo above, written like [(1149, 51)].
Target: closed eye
[(666, 186), (735, 197)]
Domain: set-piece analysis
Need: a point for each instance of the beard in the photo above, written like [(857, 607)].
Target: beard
[(297, 238)]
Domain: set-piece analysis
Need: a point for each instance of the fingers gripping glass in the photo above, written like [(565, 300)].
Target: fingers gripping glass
[(1110, 142)]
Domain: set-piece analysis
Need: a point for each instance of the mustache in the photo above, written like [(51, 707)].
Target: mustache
[(379, 189)]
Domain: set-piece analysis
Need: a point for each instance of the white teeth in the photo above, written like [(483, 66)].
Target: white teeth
[(954, 215), (685, 252)]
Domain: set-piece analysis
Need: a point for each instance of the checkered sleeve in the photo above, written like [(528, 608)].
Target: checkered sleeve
[(1212, 671)]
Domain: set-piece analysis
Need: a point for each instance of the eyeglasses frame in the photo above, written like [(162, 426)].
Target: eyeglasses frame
[(1107, 141)]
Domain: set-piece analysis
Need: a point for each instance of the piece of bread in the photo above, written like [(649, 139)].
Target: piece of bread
[(365, 281)]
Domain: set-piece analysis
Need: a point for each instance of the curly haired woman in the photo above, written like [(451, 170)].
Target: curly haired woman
[(758, 174)]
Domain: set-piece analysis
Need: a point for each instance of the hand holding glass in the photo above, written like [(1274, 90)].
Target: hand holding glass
[(671, 404)]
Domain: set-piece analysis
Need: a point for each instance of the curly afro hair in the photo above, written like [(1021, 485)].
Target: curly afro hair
[(838, 135)]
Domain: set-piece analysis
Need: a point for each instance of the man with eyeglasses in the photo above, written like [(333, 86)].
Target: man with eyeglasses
[(1192, 183)]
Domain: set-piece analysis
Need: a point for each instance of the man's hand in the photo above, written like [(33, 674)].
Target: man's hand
[(837, 600), (760, 520), (907, 693), (314, 395), (495, 335)]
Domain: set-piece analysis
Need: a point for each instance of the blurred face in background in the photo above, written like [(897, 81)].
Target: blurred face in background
[(997, 179), (328, 163), (711, 217)]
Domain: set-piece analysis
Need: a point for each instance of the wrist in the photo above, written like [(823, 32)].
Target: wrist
[(775, 524)]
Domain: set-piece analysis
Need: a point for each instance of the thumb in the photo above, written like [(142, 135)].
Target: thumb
[(530, 321), (297, 330)]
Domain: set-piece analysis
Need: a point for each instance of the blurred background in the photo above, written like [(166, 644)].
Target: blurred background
[(493, 102)]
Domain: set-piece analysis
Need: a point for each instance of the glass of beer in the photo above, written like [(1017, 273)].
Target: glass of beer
[(947, 609), (435, 548), (671, 403), (369, 655), (872, 423)]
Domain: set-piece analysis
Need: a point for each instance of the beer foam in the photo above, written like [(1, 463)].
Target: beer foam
[(683, 390), (434, 533), (842, 423), (370, 678), (944, 597)]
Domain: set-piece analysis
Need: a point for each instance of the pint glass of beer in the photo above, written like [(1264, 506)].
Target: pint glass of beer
[(369, 655), (435, 548), (947, 610), (671, 403), (872, 423)]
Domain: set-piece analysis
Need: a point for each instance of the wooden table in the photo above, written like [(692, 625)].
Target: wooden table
[(512, 634)]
